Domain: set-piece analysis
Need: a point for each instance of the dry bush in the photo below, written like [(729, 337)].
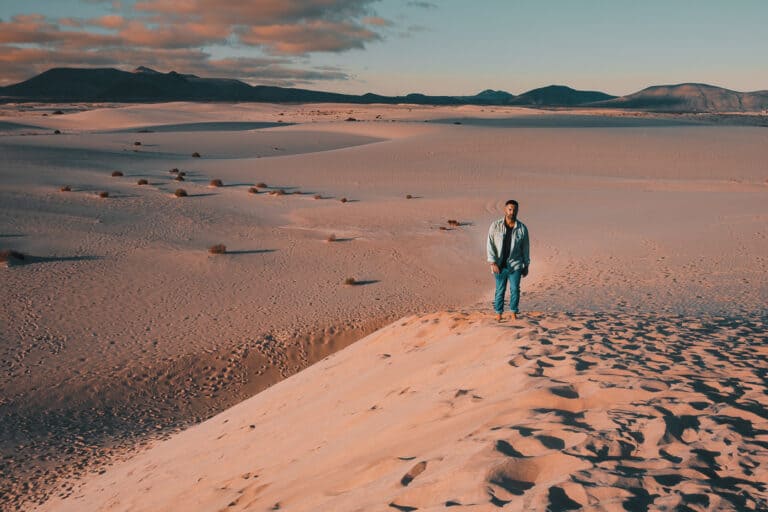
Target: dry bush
[(142, 182), (180, 192), (297, 192), (343, 199), (331, 238), (317, 196), (58, 113), (215, 183), (278, 192), (56, 132), (174, 171), (261, 185), (217, 249), (182, 174), (409, 196), (103, 194), (9, 255), (66, 188), (350, 119), (116, 174), (350, 281), (253, 190), (137, 143), (453, 222), (195, 155), (179, 177), (443, 228)]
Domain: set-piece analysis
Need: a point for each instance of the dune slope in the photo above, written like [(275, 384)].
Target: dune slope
[(557, 411)]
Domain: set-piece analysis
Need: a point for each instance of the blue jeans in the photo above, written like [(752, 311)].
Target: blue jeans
[(501, 289)]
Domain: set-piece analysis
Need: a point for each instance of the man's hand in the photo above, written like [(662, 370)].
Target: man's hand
[(495, 268), (524, 272)]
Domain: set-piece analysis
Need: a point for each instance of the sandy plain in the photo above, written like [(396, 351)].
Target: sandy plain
[(120, 328)]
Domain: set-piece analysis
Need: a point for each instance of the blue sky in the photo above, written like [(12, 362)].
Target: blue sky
[(400, 46)]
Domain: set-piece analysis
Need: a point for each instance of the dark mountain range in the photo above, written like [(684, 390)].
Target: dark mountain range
[(690, 98), (147, 85), (559, 96)]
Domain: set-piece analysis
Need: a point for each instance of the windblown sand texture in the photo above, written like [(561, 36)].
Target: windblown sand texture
[(119, 328)]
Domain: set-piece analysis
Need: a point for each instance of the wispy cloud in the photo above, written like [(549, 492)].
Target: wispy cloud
[(174, 34)]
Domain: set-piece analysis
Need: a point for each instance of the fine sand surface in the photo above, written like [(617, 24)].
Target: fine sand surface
[(554, 412), (119, 327)]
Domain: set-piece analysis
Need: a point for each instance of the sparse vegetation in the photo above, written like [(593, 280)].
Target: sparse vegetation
[(217, 249), (195, 155), (182, 174), (137, 143), (261, 185), (350, 281), (331, 238), (174, 171), (453, 222), (180, 192), (56, 132), (443, 228), (66, 188), (179, 177), (408, 196), (144, 130), (343, 199), (277, 192), (317, 196), (58, 112), (103, 194), (9, 256), (142, 182), (116, 174), (350, 119), (215, 183), (253, 190)]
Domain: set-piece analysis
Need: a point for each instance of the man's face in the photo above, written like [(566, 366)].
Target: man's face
[(510, 211)]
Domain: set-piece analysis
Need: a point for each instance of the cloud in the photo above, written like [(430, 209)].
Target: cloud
[(172, 29)]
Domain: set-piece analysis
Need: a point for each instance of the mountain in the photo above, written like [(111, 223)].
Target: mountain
[(559, 96), (148, 85), (690, 98)]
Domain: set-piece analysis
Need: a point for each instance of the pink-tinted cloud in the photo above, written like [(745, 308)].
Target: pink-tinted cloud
[(168, 32)]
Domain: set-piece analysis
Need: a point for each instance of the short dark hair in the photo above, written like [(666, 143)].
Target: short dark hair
[(512, 201)]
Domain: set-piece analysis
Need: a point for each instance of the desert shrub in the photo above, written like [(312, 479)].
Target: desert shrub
[(66, 188), (217, 249), (116, 174), (278, 192), (331, 238), (261, 185), (350, 281), (58, 113), (453, 222), (408, 196), (56, 132), (142, 182), (253, 190), (443, 228), (215, 183), (350, 119), (343, 199), (104, 194), (179, 177), (8, 255), (174, 171), (195, 155), (317, 196), (180, 192), (182, 174), (137, 143)]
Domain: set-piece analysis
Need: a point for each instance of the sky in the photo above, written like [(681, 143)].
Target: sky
[(396, 47)]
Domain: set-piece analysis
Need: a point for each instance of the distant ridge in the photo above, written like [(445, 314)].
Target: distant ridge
[(690, 97), (144, 84)]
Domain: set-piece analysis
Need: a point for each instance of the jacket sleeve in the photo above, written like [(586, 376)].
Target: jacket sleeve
[(490, 249), (526, 247)]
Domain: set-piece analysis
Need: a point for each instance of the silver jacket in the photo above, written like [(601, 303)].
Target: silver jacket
[(519, 254)]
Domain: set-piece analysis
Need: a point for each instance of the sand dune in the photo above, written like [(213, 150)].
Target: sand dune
[(557, 412)]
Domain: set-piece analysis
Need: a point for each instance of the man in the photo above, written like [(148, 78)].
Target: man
[(508, 255)]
